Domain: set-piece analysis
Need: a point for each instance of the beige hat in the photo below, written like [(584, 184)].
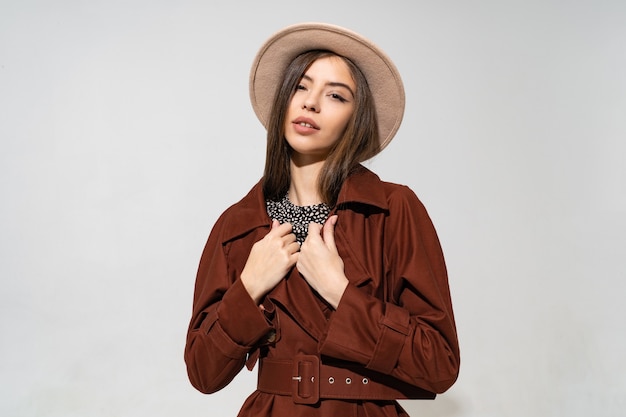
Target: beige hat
[(284, 46)]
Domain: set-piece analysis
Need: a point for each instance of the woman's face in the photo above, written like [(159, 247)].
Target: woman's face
[(320, 109)]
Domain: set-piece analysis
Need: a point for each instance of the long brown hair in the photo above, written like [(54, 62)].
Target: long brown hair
[(358, 143)]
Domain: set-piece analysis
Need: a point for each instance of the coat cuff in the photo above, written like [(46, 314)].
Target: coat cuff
[(239, 316), (394, 330)]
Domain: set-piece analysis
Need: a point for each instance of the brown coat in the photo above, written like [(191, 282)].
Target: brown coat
[(394, 323)]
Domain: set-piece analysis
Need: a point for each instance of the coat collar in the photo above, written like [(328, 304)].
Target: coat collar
[(246, 215), (362, 187)]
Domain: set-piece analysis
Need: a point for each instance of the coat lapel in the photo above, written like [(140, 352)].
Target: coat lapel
[(297, 299), (294, 294)]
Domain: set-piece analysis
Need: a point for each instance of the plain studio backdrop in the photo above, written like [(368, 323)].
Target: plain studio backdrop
[(126, 130)]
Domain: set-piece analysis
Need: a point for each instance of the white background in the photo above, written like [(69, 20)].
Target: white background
[(126, 130)]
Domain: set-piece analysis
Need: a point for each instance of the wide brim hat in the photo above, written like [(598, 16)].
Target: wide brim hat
[(284, 46)]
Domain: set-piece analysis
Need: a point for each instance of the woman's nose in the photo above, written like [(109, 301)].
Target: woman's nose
[(311, 103)]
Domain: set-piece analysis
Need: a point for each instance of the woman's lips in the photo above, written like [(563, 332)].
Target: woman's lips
[(305, 126)]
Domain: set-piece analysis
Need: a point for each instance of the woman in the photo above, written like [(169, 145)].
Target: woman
[(333, 280)]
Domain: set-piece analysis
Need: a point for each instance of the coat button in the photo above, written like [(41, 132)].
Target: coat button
[(271, 336)]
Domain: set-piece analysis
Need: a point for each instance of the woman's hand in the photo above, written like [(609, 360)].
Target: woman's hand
[(269, 261), (320, 263)]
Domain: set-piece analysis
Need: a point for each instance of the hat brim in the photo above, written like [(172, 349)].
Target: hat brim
[(284, 46)]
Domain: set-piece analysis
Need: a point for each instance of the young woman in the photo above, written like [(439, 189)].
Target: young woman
[(332, 280)]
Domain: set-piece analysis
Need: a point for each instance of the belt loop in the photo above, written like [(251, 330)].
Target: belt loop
[(305, 379)]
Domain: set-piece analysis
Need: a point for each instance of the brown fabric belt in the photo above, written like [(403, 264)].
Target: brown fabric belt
[(307, 381)]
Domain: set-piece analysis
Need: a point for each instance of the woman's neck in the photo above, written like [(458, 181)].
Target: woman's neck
[(303, 190)]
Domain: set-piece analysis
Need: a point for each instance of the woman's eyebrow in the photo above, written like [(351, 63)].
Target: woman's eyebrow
[(331, 83)]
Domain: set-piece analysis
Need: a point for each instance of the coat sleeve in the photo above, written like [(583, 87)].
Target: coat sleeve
[(226, 323), (412, 335)]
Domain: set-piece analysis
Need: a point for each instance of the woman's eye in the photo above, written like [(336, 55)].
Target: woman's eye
[(300, 87), (337, 97)]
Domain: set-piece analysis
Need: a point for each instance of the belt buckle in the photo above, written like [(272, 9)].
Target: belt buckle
[(305, 380)]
